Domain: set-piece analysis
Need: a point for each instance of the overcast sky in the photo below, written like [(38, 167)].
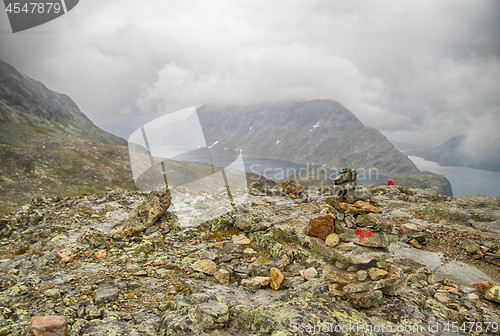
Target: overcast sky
[(419, 71)]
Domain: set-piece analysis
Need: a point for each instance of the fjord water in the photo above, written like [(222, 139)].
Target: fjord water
[(464, 180)]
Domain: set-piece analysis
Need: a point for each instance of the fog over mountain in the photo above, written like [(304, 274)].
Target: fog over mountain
[(316, 132), (48, 147), (419, 71), (469, 151)]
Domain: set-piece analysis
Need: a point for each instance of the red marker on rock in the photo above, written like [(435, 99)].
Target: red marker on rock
[(362, 235)]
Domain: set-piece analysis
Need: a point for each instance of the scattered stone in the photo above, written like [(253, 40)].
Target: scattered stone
[(105, 294), (408, 228), (356, 208), (93, 237), (66, 255), (415, 244), (132, 267), (482, 286), (101, 254), (367, 299), (320, 225), (332, 239), (48, 326), (335, 289), (155, 262), (309, 273), (53, 293), (362, 275), (241, 239), (249, 251), (146, 214), (223, 276), (442, 298), (397, 286), (312, 262), (276, 278), (292, 188), (205, 266), (470, 246), (376, 273), (493, 294), (342, 265), (383, 264), (375, 222), (92, 312), (256, 282)]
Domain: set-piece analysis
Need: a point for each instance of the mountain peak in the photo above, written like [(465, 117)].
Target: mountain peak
[(23, 99), (320, 132)]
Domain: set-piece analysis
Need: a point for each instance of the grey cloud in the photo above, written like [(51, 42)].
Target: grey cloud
[(417, 70)]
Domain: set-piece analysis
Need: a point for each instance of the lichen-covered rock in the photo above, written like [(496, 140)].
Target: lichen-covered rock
[(356, 208), (276, 278), (205, 266), (493, 294), (369, 239), (146, 214), (332, 240), (292, 188), (367, 299), (357, 254), (470, 246), (376, 273), (93, 237), (309, 273), (223, 276), (105, 294)]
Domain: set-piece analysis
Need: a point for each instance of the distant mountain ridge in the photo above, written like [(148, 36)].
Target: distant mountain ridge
[(475, 152), (322, 132), (49, 147)]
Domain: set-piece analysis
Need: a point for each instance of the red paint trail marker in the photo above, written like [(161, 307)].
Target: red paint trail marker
[(362, 235)]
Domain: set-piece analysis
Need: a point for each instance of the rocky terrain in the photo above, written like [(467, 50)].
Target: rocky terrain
[(49, 147), (422, 180), (285, 262), (321, 132)]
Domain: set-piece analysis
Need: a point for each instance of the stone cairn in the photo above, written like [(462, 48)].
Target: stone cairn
[(356, 237)]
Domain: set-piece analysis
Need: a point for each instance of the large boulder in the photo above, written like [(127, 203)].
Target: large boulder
[(320, 226), (146, 214)]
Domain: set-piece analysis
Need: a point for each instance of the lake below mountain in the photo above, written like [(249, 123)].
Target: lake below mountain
[(464, 180)]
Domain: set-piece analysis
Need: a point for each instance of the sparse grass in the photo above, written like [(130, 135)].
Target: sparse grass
[(221, 235), (183, 289), (22, 250)]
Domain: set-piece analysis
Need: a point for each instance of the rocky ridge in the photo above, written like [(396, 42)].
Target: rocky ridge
[(118, 264), (315, 132), (48, 147), (481, 152)]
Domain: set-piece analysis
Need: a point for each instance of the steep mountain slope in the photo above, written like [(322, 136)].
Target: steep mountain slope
[(475, 152), (49, 147), (318, 131)]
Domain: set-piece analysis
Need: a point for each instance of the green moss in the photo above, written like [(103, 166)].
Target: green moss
[(22, 250)]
